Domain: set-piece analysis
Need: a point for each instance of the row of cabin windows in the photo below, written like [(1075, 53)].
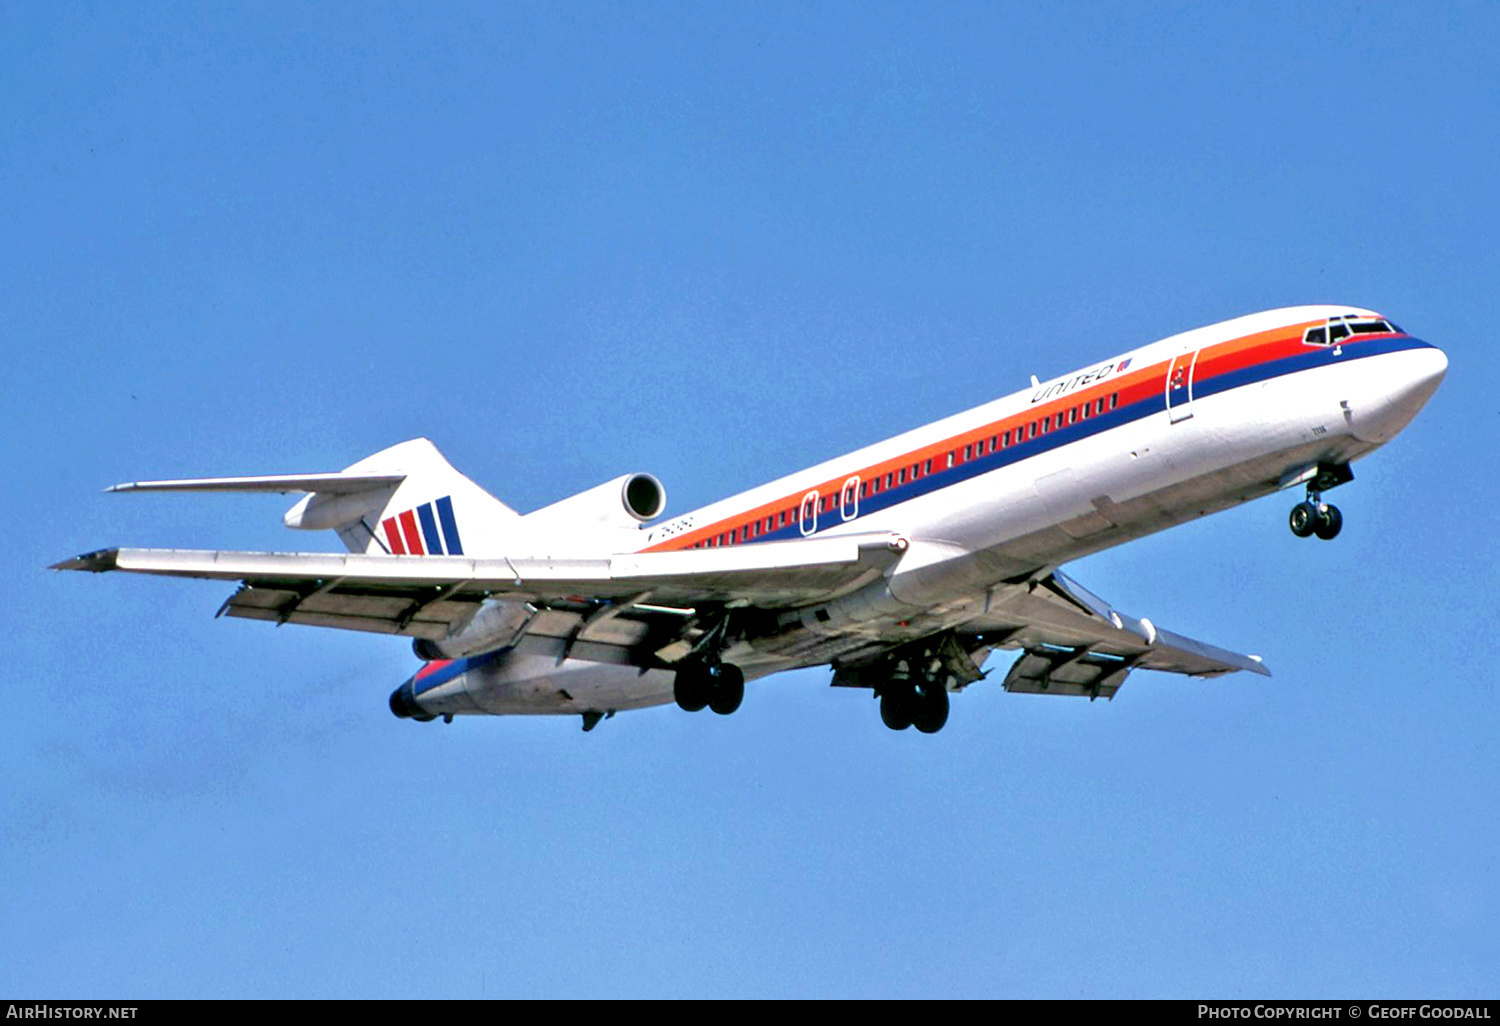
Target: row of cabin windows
[(895, 478)]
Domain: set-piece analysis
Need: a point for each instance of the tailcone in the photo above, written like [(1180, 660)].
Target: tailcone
[(404, 703)]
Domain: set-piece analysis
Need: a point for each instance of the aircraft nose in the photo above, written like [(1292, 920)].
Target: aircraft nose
[(1420, 374), (1399, 386), (1432, 369)]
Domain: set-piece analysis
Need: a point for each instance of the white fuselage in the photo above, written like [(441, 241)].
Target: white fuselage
[(1170, 432)]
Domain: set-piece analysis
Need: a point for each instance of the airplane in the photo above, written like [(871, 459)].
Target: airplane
[(902, 565)]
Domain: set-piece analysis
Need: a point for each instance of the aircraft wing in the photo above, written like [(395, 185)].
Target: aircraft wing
[(1075, 643), (426, 596), (626, 607)]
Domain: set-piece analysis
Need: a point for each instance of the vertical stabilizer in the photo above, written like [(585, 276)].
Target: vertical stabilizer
[(432, 510)]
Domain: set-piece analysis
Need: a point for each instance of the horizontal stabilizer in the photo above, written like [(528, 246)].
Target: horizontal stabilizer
[(332, 484)]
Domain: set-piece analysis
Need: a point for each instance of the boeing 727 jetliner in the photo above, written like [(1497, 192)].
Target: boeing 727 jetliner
[(903, 565)]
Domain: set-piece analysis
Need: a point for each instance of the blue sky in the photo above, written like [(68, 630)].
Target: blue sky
[(718, 243)]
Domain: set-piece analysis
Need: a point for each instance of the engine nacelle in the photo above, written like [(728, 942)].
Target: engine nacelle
[(496, 624), (627, 501)]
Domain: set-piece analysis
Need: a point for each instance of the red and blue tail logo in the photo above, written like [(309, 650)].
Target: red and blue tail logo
[(417, 531)]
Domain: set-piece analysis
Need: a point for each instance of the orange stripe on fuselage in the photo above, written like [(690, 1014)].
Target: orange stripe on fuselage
[(1133, 386)]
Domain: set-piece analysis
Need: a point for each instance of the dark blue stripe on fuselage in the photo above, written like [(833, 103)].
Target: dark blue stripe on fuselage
[(450, 526), (455, 668), (1319, 356)]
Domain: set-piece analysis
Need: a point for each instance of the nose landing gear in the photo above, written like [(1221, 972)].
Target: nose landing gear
[(1314, 516)]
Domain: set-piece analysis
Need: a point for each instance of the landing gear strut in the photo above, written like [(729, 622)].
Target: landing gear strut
[(705, 679), (1314, 516)]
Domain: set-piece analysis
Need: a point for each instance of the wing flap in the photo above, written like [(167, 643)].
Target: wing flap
[(1061, 671), (348, 622)]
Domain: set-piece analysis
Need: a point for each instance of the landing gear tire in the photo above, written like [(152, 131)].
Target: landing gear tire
[(728, 688), (692, 688), (896, 710), (719, 686), (931, 709), (1304, 519), (1328, 523)]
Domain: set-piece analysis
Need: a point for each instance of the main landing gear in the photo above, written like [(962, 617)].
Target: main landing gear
[(920, 701), (709, 682), (704, 679), (1314, 516)]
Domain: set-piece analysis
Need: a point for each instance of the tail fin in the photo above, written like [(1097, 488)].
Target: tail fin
[(432, 511)]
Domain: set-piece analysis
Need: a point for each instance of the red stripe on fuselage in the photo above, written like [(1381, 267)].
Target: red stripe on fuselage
[(433, 667)]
